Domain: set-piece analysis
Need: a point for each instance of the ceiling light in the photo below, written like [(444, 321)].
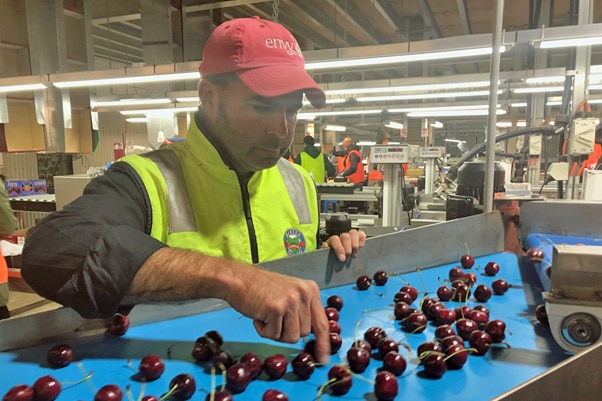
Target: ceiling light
[(441, 108), (520, 104), (128, 80), (568, 36), (20, 88), (521, 124), (402, 58), (569, 42), (189, 99), (544, 80), (453, 113), (410, 88), (366, 143), (503, 124), (418, 96), (311, 116), (158, 111), (454, 140), (328, 101), (554, 103), (437, 124), (130, 102), (539, 89), (335, 128), (594, 101), (394, 124), (136, 120)]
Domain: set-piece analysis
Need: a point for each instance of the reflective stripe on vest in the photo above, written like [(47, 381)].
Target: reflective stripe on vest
[(180, 211)]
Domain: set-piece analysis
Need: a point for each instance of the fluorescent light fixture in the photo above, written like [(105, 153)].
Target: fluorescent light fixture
[(442, 108), (128, 80), (569, 42), (394, 124), (594, 101), (519, 104), (136, 120), (595, 87), (554, 103), (418, 96), (453, 113), (539, 89), (311, 116), (402, 58), (21, 88), (332, 127), (504, 124), (188, 99), (454, 140), (437, 124), (366, 143), (131, 102), (544, 80), (410, 88), (158, 111), (521, 124), (328, 101)]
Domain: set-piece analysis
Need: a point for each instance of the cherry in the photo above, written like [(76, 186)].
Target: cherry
[(222, 395), (358, 359), (335, 301), (118, 325), (431, 311), (479, 317), (253, 362), (60, 356), (204, 349), (275, 366), (451, 340), (394, 363), (410, 290), (46, 388), (445, 330), (238, 377), (182, 386), (310, 347), (492, 268), (373, 335), (149, 398), (482, 308), (387, 345), (385, 386), (470, 278), (341, 380), (336, 341), (434, 365), (462, 311), (482, 293), (380, 277), (466, 326), (303, 365), (415, 323), (332, 313), (480, 341), (444, 293), (363, 344), (215, 336), (151, 367), (445, 316), (455, 273), (536, 255), (363, 283), (461, 291), (500, 286), (110, 392), (467, 261), (334, 327), (426, 303), (402, 310), (223, 359), (403, 297), (20, 392), (456, 356), (428, 348), (496, 329), (541, 314), (274, 395)]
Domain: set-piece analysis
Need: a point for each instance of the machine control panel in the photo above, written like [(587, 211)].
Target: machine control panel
[(390, 154), (431, 152)]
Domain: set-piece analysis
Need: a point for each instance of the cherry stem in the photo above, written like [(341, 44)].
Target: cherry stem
[(323, 386), (212, 396), (421, 280), (128, 393), (224, 379), (169, 393), (467, 250), (427, 353), (74, 383), (142, 386), (86, 378), (357, 326), (458, 351)]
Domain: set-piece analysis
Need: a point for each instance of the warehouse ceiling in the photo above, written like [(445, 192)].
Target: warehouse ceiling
[(127, 33)]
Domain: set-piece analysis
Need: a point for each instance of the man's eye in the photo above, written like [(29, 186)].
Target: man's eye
[(292, 113), (261, 108)]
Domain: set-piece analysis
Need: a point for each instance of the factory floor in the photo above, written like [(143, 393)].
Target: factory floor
[(23, 301)]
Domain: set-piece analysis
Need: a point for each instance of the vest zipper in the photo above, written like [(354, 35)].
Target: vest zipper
[(244, 181)]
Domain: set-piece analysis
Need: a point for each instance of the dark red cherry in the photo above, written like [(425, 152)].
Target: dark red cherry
[(110, 392), (60, 356), (149, 398), (118, 325), (204, 349), (332, 314), (373, 335), (410, 290), (500, 286), (402, 297), (480, 341), (335, 301), (274, 395), (215, 336), (238, 377), (303, 365), (334, 327), (275, 366), (415, 323), (223, 395), (222, 359), (363, 282), (444, 293), (151, 367), (380, 277), (46, 388), (342, 379), (394, 363), (455, 273), (445, 317), (456, 356), (467, 261), (363, 344), (401, 310), (482, 293), (466, 326), (482, 308), (358, 359), (479, 317), (536, 255), (336, 341), (462, 311), (445, 330), (451, 340), (428, 347), (496, 329), (461, 291), (387, 345), (434, 365), (492, 268), (254, 363), (20, 392), (541, 314), (184, 386), (385, 386)]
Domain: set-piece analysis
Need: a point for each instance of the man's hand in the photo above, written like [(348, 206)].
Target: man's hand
[(347, 244), (284, 308)]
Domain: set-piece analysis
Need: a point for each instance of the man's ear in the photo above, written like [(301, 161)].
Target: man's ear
[(208, 95)]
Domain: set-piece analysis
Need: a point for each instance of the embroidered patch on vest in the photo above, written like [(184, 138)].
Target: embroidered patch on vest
[(294, 242)]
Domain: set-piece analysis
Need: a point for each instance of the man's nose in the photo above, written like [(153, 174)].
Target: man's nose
[(279, 123)]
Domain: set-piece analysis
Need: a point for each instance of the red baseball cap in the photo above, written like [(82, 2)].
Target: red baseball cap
[(264, 55)]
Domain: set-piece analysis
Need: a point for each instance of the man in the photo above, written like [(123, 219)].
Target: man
[(353, 168), (188, 221), (8, 224), (314, 161)]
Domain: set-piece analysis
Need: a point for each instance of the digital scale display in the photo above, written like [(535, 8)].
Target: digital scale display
[(390, 154)]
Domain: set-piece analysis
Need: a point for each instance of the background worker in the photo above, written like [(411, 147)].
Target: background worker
[(8, 224), (353, 168), (314, 161), (194, 219)]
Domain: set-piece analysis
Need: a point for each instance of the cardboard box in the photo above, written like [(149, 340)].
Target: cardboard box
[(18, 237), (25, 187)]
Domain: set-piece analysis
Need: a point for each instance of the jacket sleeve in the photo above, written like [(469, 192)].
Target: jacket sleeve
[(8, 220), (86, 255), (331, 171)]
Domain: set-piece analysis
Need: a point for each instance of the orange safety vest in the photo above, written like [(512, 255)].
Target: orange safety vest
[(592, 160), (3, 269), (340, 162), (359, 176)]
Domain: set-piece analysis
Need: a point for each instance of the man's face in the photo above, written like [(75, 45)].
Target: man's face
[(346, 144), (254, 131)]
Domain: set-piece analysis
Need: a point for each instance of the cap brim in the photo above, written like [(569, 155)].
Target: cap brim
[(280, 80)]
